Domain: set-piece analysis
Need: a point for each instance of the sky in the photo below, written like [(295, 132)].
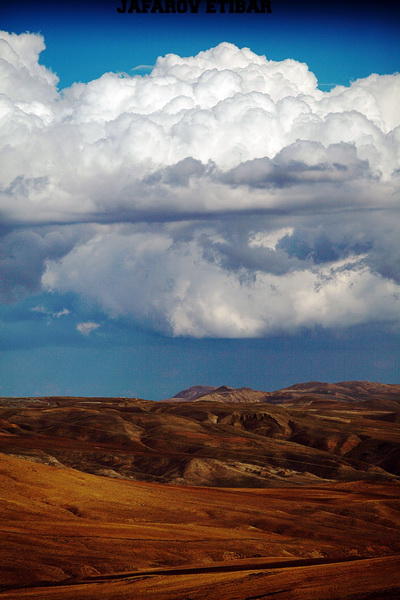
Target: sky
[(198, 198)]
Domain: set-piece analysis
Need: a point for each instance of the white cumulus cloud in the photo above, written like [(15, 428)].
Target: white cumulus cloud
[(222, 194)]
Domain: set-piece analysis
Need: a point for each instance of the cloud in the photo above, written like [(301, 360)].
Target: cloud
[(178, 290), (48, 313), (221, 195), (24, 252), (87, 327), (142, 67)]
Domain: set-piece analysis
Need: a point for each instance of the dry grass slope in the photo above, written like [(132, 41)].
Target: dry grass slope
[(108, 538)]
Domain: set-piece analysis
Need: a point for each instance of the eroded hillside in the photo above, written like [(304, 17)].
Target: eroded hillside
[(308, 433)]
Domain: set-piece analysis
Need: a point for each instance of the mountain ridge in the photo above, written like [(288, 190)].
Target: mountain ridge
[(357, 389)]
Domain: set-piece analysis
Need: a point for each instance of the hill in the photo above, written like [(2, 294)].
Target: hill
[(72, 535), (307, 433)]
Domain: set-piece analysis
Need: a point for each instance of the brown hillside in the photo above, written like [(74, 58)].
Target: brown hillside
[(309, 433), (72, 535)]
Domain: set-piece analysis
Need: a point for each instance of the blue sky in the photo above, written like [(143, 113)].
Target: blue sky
[(43, 351), (340, 41)]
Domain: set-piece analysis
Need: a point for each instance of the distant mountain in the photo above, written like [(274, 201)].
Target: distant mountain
[(223, 393), (379, 395), (312, 392), (194, 392), (355, 389)]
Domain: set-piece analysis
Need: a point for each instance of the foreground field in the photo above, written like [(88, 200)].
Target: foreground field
[(72, 535)]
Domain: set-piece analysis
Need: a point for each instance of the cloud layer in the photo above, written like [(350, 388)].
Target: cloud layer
[(221, 195)]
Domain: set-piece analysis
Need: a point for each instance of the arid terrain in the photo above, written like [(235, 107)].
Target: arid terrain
[(217, 493)]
